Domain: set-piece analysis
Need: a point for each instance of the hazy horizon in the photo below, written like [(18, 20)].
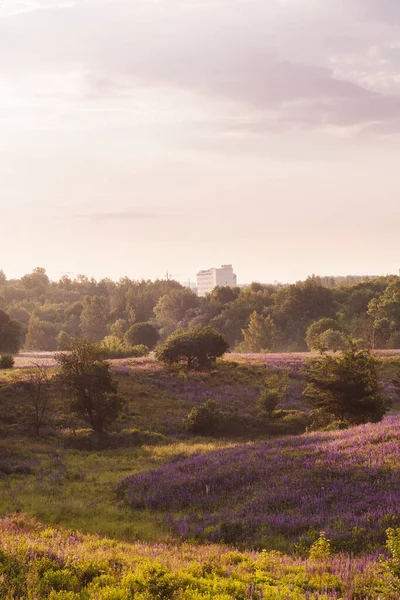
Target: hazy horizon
[(140, 137)]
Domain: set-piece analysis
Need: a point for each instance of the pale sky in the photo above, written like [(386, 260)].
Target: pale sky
[(140, 136)]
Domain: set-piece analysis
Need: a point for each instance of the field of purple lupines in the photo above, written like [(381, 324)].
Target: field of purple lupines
[(279, 494)]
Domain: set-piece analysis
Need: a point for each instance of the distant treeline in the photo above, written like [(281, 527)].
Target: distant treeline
[(258, 317)]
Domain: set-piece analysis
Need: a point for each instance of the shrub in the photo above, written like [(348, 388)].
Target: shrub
[(114, 347), (142, 334), (204, 419), (197, 347), (317, 329), (276, 385), (6, 361), (346, 388)]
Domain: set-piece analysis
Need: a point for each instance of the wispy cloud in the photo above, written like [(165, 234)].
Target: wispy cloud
[(122, 216)]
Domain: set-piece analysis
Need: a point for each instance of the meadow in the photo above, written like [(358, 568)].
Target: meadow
[(83, 518)]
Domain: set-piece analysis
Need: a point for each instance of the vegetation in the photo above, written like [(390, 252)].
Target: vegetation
[(6, 361), (88, 379), (44, 562), (346, 388), (197, 347), (259, 317), (10, 334)]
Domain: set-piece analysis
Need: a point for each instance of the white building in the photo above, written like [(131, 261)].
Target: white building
[(208, 280)]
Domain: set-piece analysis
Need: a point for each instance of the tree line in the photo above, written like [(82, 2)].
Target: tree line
[(320, 313)]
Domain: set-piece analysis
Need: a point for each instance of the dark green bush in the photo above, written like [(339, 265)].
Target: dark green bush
[(204, 419), (6, 361)]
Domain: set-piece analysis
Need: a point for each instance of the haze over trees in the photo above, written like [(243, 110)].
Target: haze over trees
[(39, 314)]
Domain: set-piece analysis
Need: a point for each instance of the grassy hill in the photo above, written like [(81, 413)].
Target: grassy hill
[(281, 493)]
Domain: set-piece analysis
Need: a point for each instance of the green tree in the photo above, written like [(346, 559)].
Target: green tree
[(93, 322), (119, 328), (260, 334), (316, 329), (275, 387), (36, 335), (142, 334), (10, 334), (346, 387), (172, 307), (197, 347), (332, 340), (64, 341), (35, 383), (89, 382)]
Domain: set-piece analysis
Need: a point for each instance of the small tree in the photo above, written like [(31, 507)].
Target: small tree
[(346, 387), (332, 340), (10, 334), (142, 334), (276, 385), (197, 347), (88, 380), (317, 329), (64, 341), (35, 382), (260, 334), (204, 419)]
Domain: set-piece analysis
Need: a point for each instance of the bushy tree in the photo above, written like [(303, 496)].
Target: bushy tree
[(64, 341), (93, 321), (275, 386), (332, 340), (204, 419), (88, 379), (10, 334), (142, 334), (347, 387), (317, 329), (118, 329), (260, 334), (197, 347)]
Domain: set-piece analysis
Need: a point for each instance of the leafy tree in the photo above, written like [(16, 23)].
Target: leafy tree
[(332, 340), (10, 334), (260, 334), (93, 322), (35, 383), (171, 308), (119, 328), (197, 347), (88, 380), (275, 386), (204, 419), (316, 329), (64, 341), (142, 333), (36, 335), (346, 387)]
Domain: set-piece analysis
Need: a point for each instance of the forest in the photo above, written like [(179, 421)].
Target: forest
[(43, 315)]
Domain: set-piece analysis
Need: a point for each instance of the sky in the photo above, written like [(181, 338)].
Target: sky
[(144, 136)]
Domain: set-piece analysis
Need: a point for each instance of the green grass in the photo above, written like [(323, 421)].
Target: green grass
[(77, 489)]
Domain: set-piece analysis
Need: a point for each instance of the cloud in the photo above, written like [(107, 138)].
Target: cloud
[(272, 59), (121, 216)]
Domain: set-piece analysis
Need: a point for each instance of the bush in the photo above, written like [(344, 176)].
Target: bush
[(204, 419), (142, 334), (276, 385), (197, 347), (114, 347), (6, 361), (346, 388)]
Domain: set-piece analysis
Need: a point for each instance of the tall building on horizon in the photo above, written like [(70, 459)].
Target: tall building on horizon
[(208, 280)]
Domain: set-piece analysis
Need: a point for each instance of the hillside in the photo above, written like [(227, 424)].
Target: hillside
[(42, 562), (281, 493)]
